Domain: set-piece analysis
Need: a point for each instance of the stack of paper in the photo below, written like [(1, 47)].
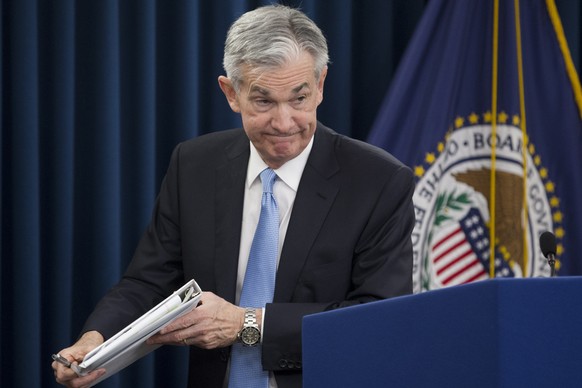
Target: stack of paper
[(129, 344)]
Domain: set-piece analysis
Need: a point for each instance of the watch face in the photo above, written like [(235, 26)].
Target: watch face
[(250, 336)]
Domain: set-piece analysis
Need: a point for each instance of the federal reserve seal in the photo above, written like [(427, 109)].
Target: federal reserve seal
[(452, 200)]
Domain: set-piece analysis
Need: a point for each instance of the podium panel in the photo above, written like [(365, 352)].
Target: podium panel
[(495, 333)]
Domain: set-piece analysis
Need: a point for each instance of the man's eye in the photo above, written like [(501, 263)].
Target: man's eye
[(261, 102)]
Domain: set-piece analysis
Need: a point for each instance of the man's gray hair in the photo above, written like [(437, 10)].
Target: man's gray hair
[(269, 37)]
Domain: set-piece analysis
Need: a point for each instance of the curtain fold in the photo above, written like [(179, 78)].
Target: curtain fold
[(95, 95)]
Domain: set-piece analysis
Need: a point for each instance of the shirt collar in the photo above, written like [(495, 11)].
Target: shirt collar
[(290, 172)]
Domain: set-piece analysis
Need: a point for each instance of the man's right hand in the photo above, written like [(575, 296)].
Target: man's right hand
[(66, 376)]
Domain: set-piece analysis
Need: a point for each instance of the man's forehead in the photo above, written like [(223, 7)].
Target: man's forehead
[(295, 75)]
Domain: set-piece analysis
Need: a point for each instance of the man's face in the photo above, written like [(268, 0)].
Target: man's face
[(278, 108)]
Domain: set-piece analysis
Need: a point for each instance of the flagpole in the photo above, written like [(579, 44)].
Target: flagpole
[(524, 136), (570, 68), (493, 137)]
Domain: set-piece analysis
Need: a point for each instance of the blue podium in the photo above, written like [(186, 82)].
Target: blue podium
[(495, 333)]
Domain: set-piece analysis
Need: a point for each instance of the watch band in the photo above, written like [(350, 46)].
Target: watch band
[(250, 317)]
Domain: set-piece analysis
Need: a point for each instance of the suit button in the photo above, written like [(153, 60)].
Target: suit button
[(298, 364), (223, 355), (283, 363)]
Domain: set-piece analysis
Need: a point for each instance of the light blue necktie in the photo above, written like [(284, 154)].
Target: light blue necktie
[(246, 369)]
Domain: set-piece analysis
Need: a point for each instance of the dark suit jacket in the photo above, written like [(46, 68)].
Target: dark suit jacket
[(348, 242)]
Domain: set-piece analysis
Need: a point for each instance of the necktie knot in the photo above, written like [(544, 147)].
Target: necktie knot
[(268, 177)]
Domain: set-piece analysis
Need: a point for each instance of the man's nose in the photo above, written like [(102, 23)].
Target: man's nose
[(282, 119)]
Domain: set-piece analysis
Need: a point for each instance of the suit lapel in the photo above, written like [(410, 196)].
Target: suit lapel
[(230, 178), (315, 196)]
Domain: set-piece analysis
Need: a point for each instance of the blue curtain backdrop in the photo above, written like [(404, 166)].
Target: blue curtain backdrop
[(95, 94)]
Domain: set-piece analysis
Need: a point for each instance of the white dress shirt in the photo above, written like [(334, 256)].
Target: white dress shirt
[(284, 191)]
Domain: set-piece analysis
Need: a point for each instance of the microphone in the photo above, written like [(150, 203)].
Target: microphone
[(548, 246)]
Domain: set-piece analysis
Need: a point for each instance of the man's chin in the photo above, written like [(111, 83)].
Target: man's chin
[(279, 158)]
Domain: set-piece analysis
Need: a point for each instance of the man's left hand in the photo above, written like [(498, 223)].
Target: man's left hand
[(215, 323)]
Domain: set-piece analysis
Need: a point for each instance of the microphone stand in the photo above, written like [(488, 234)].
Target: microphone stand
[(552, 263)]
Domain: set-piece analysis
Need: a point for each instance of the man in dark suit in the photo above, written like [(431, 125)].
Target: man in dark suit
[(345, 215)]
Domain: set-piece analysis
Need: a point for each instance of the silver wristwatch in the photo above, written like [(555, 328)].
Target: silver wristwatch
[(250, 335)]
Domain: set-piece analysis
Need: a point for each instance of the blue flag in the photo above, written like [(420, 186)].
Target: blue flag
[(486, 108)]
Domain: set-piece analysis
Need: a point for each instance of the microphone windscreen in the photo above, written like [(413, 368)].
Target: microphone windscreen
[(548, 243)]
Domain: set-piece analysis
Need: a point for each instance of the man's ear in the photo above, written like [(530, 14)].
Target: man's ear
[(229, 92), (320, 85)]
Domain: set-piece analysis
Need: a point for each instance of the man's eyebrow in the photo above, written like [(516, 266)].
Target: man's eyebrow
[(266, 92), (260, 90), (298, 88)]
